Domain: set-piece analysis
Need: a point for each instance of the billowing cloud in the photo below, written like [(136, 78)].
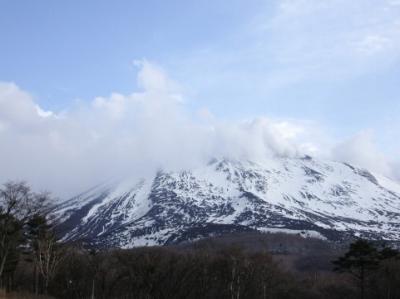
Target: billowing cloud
[(361, 150), (17, 108), (138, 133)]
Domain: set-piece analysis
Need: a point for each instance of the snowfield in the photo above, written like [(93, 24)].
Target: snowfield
[(316, 198)]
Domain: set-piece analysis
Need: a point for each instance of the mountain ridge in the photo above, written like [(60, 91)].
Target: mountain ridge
[(324, 199)]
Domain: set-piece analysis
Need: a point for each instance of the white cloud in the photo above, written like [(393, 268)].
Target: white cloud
[(372, 44), (138, 133), (361, 150), (114, 106), (299, 41), (153, 78), (43, 113), (313, 39), (17, 107)]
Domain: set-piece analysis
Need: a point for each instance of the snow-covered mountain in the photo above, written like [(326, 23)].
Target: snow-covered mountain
[(316, 198)]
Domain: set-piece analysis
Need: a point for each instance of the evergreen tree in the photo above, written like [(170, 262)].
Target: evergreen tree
[(18, 204), (36, 229), (10, 240), (360, 261)]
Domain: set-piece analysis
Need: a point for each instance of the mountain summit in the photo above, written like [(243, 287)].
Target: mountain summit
[(324, 199)]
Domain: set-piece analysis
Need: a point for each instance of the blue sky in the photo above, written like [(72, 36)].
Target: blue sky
[(334, 64), (60, 51)]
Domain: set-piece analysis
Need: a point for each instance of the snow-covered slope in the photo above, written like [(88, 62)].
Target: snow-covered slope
[(317, 198)]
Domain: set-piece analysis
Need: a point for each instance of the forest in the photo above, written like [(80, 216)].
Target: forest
[(35, 264)]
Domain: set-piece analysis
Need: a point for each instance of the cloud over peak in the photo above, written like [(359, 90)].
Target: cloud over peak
[(138, 133)]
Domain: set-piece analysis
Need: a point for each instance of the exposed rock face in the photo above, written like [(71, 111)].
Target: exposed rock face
[(315, 198)]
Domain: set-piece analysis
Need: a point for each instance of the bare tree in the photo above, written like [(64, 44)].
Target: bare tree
[(48, 257), (17, 204)]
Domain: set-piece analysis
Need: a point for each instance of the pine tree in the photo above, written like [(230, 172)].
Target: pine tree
[(36, 228), (18, 204), (360, 261)]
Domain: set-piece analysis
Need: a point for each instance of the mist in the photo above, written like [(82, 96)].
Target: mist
[(152, 128)]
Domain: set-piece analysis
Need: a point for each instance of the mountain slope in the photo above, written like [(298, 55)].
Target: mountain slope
[(324, 199)]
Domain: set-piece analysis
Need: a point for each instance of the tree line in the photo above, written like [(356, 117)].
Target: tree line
[(26, 235), (33, 260)]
